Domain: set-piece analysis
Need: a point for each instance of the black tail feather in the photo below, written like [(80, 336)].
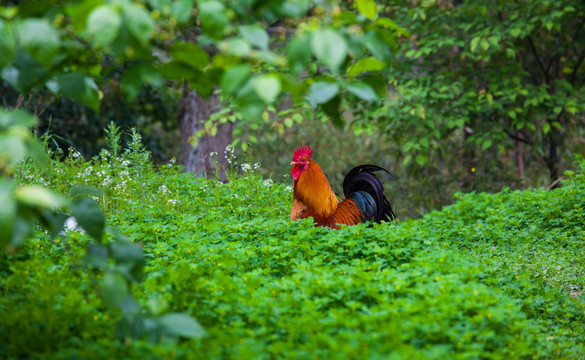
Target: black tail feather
[(361, 178)]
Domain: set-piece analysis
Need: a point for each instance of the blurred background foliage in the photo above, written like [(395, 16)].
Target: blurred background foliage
[(452, 95)]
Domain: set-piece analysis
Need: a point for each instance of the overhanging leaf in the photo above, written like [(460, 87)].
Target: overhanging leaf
[(139, 22), (39, 39), (329, 47), (90, 217), (114, 289), (267, 87), (255, 35), (7, 212), (103, 24), (362, 90), (364, 65), (35, 195), (179, 324), (234, 77), (367, 8), (189, 53), (322, 91)]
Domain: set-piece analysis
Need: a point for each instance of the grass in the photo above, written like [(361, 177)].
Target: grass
[(492, 276)]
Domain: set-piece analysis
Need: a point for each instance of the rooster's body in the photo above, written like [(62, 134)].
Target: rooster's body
[(313, 196)]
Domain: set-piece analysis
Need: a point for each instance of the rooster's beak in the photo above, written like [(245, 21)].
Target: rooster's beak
[(293, 162)]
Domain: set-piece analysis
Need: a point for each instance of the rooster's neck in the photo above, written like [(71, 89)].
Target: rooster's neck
[(313, 190)]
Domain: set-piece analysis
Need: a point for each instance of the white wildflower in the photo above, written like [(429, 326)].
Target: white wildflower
[(164, 189), (173, 202), (173, 161), (246, 167), (257, 166), (267, 183), (289, 188)]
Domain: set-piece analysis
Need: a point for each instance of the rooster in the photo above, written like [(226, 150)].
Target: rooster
[(313, 196)]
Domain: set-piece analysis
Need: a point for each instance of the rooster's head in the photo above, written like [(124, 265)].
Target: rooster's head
[(300, 161)]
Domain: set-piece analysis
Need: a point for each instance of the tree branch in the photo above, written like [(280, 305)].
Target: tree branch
[(520, 139), (576, 68), (537, 59)]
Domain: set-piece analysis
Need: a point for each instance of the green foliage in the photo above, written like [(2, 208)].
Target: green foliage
[(25, 206), (481, 78), (84, 42), (262, 286)]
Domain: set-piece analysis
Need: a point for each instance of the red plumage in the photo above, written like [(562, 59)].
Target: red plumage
[(313, 196)]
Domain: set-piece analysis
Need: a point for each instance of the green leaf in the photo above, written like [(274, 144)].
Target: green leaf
[(16, 117), (420, 159), (103, 24), (72, 85), (237, 47), (175, 70), (39, 196), (267, 87), (474, 43), (365, 65), (299, 53), (189, 53), (90, 217), (234, 77), (139, 22), (255, 36), (515, 32), (179, 324), (135, 76), (97, 255), (362, 90), (486, 144), (114, 289), (181, 10), (39, 39), (92, 95), (333, 110), (322, 91), (545, 128), (329, 47), (126, 251), (367, 8), (7, 212), (389, 24), (24, 224), (84, 190), (213, 18), (376, 44), (12, 149), (7, 44)]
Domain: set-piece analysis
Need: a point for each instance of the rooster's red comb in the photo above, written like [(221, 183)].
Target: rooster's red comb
[(302, 151)]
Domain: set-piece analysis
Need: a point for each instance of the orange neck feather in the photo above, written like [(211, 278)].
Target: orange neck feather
[(313, 190)]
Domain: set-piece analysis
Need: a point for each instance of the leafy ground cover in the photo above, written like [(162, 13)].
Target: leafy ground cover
[(492, 276)]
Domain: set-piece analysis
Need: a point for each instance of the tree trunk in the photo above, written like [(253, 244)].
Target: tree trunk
[(519, 157), (552, 160), (192, 113)]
